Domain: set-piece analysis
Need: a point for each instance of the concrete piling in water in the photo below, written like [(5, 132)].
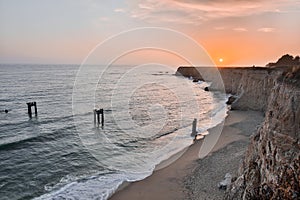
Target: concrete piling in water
[(97, 116), (29, 110), (35, 108), (194, 129), (102, 117), (29, 105)]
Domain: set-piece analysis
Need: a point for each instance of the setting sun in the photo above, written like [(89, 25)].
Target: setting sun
[(221, 60)]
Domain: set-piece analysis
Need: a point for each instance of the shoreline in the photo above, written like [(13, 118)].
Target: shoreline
[(170, 182)]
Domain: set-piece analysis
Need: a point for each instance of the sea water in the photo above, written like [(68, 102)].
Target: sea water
[(62, 154)]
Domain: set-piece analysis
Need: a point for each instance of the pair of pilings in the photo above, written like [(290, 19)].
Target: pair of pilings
[(29, 105), (97, 113)]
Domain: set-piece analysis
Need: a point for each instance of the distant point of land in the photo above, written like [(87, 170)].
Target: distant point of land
[(285, 61), (290, 66)]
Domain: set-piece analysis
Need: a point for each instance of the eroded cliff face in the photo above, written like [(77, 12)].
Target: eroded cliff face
[(271, 167), (250, 85)]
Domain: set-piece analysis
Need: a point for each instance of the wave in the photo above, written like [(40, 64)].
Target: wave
[(99, 186), (14, 142), (160, 135), (104, 185), (58, 129), (35, 121), (133, 143)]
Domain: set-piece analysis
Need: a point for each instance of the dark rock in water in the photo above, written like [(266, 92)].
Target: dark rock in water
[(206, 89), (230, 100), (195, 80), (6, 111)]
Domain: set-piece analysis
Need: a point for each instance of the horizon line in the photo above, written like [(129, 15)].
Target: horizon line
[(179, 65)]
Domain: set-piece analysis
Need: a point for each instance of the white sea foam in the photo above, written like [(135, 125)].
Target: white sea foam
[(52, 159), (102, 186), (93, 187)]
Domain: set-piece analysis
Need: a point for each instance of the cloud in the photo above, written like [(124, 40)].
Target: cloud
[(219, 28), (266, 30), (119, 10), (198, 11), (240, 29)]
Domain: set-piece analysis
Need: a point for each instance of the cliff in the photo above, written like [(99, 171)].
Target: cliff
[(251, 85), (271, 167)]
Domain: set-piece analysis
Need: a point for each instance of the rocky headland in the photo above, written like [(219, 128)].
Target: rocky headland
[(271, 165)]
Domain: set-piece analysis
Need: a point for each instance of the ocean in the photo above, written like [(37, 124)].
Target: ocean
[(62, 154)]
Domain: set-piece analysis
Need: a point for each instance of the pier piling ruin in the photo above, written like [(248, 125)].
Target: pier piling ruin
[(97, 113), (29, 105)]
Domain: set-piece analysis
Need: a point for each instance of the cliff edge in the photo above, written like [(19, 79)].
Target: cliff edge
[(271, 167)]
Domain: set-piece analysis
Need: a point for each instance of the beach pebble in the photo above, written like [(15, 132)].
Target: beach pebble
[(226, 182)]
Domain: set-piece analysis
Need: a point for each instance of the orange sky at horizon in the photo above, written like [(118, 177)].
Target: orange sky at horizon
[(239, 33)]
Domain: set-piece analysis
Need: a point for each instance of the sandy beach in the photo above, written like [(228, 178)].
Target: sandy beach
[(192, 178)]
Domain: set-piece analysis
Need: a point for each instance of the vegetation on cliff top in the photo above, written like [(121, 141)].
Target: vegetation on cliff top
[(285, 61), (290, 66)]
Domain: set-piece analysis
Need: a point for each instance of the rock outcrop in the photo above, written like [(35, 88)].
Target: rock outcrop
[(286, 60), (251, 85), (189, 72), (271, 168)]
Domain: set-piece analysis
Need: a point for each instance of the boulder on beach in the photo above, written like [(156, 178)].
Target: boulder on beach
[(226, 182), (230, 100)]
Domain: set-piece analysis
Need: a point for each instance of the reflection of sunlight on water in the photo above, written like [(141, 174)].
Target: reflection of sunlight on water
[(149, 118), (157, 111), (157, 123), (154, 105), (137, 134)]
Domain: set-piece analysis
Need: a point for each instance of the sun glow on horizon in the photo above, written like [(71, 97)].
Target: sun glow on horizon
[(233, 33)]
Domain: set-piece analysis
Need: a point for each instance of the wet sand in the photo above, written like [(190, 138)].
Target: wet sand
[(188, 177)]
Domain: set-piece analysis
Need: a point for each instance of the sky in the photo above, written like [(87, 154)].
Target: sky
[(232, 32)]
